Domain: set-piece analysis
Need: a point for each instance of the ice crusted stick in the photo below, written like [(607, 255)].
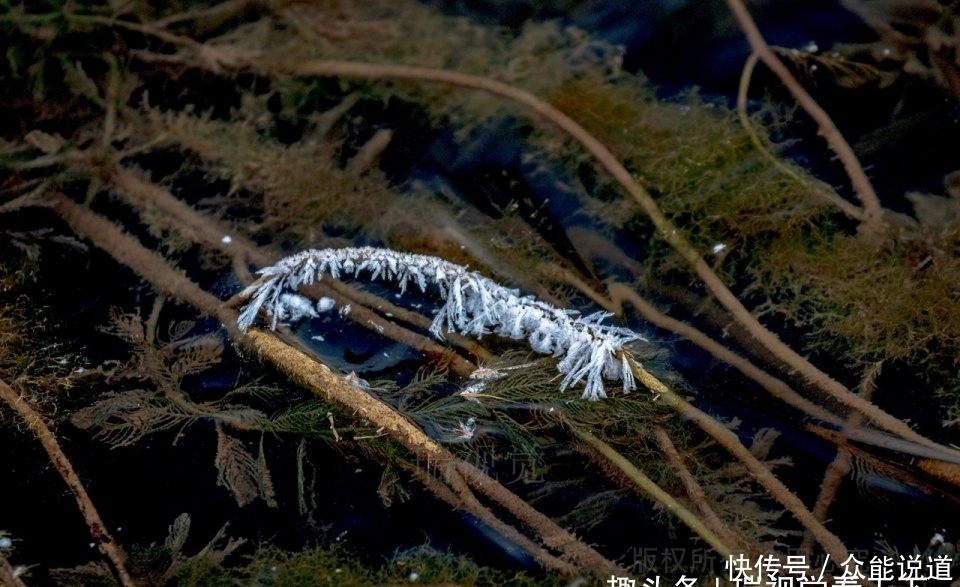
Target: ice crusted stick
[(473, 304)]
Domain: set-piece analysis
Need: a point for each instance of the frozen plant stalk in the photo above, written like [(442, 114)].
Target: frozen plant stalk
[(473, 305)]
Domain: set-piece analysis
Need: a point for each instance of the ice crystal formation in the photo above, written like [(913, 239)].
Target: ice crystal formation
[(473, 304)]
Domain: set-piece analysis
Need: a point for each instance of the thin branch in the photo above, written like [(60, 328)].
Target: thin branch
[(550, 533), (774, 386), (841, 465), (872, 211), (9, 576), (98, 530), (728, 440), (647, 486), (620, 293), (145, 29), (333, 388), (828, 194), (471, 504), (695, 492)]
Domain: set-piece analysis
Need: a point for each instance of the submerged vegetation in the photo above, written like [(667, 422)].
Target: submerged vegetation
[(155, 158)]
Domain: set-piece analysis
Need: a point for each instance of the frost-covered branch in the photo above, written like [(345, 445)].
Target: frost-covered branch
[(473, 304)]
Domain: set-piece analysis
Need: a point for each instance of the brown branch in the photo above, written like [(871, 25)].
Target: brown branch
[(827, 193), (550, 533), (458, 495), (145, 29), (331, 387), (695, 492), (9, 576), (472, 504), (728, 440), (98, 530), (702, 528), (774, 386), (872, 211), (840, 466)]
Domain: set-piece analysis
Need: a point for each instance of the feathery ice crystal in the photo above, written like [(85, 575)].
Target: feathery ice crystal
[(473, 305)]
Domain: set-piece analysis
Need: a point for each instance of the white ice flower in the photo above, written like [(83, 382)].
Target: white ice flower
[(590, 351), (325, 304), (466, 430), (462, 432), (295, 307)]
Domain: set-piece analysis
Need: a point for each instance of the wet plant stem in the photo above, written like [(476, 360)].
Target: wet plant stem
[(842, 463), (9, 577), (470, 503), (825, 191), (648, 487), (695, 492), (98, 530), (620, 293), (872, 212), (760, 472)]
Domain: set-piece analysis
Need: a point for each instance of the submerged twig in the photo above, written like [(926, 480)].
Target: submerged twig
[(620, 293), (9, 575), (470, 503), (760, 472), (98, 530), (695, 492), (842, 463), (872, 211), (648, 486)]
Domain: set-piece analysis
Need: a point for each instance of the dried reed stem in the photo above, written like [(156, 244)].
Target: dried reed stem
[(98, 530)]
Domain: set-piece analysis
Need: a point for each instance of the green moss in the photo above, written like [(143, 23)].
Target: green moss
[(694, 158)]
